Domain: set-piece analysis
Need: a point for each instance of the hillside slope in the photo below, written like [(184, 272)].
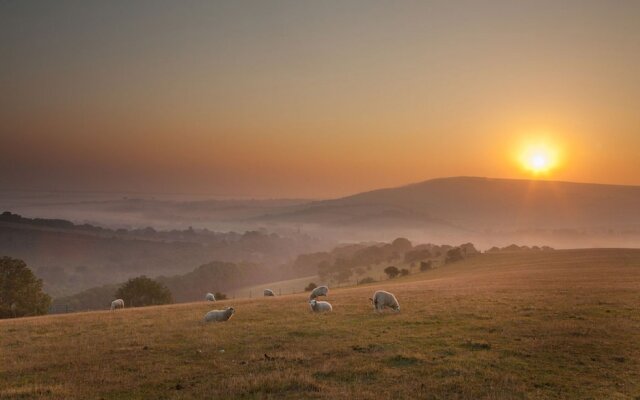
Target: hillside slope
[(469, 209), (554, 325)]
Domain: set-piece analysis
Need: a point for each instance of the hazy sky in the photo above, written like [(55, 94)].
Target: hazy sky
[(313, 98)]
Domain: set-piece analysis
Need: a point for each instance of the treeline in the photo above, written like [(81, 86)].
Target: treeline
[(344, 262), (516, 248)]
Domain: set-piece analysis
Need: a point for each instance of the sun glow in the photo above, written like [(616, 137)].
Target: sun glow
[(539, 157)]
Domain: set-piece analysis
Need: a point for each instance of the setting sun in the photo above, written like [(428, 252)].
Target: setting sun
[(538, 160), (539, 157)]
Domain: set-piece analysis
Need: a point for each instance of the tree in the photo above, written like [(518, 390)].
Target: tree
[(425, 265), (402, 245), (391, 272), (454, 255), (20, 290), (220, 296), (143, 291), (310, 287)]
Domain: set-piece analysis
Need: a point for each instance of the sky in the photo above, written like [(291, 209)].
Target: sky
[(314, 99)]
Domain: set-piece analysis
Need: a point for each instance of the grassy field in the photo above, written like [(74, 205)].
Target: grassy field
[(279, 287), (563, 324)]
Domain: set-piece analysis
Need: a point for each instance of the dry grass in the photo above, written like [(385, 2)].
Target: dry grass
[(279, 287), (563, 324)]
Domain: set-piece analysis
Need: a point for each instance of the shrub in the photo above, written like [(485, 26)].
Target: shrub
[(391, 271), (425, 265), (310, 287), (220, 296), (368, 279), (404, 272)]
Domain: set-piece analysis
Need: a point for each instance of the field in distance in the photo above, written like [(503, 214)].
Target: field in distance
[(560, 324)]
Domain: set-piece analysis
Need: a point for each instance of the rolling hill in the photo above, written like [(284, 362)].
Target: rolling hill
[(472, 208)]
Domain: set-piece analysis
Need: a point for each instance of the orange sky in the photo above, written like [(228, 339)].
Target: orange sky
[(301, 99)]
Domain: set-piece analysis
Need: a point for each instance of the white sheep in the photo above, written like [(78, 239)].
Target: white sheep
[(319, 291), (118, 303), (269, 293), (210, 297), (320, 306), (382, 299), (219, 315)]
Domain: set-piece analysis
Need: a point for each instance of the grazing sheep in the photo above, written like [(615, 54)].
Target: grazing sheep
[(210, 297), (320, 306), (269, 293), (382, 299), (319, 291), (219, 315), (119, 303)]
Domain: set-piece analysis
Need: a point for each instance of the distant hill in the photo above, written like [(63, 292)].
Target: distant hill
[(71, 257), (469, 206)]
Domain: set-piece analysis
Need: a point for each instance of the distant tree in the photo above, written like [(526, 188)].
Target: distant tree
[(220, 296), (453, 255), (20, 290), (391, 272), (310, 287), (404, 272), (143, 291), (425, 265), (511, 247), (402, 245), (468, 249)]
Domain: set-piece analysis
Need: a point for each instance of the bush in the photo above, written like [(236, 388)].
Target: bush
[(143, 291), (310, 287), (368, 279), (425, 265), (391, 272), (404, 272), (20, 291), (220, 296)]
